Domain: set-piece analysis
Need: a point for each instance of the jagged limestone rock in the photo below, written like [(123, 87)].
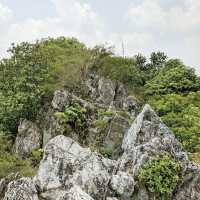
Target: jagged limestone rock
[(56, 194), (66, 163), (60, 100), (131, 105), (120, 96), (148, 137), (123, 184), (29, 137), (5, 181), (106, 89), (76, 193), (51, 126), (69, 171), (190, 187), (22, 189), (106, 135)]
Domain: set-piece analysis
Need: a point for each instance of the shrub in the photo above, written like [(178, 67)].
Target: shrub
[(75, 115), (160, 175), (181, 114), (178, 79), (10, 163)]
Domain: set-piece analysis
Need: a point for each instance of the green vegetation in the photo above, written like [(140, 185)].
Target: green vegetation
[(33, 71), (10, 163), (31, 74), (173, 79), (181, 113), (160, 175), (75, 115)]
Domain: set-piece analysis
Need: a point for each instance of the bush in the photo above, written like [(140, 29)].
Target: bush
[(34, 70), (75, 115), (160, 175), (10, 163), (181, 114)]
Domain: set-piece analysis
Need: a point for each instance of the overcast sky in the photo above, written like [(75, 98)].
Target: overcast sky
[(172, 26)]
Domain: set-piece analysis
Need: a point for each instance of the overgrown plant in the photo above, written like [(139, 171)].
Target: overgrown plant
[(75, 115), (160, 175)]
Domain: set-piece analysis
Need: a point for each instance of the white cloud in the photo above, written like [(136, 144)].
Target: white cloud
[(5, 14), (149, 26), (72, 19), (175, 30)]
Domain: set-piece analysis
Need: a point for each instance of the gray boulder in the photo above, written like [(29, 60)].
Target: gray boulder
[(148, 137), (5, 181), (76, 193), (22, 189), (60, 99), (29, 137), (66, 164), (122, 184), (106, 89), (131, 105)]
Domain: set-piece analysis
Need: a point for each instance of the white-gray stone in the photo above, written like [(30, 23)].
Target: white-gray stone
[(29, 137), (123, 184), (22, 189), (66, 163), (60, 100)]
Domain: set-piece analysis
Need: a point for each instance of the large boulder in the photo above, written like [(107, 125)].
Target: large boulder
[(69, 171), (5, 181), (21, 189), (60, 99), (106, 89), (51, 126), (76, 193), (66, 164), (149, 137), (29, 137)]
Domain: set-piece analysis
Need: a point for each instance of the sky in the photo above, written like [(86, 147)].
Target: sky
[(143, 26)]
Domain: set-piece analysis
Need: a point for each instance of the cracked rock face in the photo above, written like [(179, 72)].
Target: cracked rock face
[(29, 137), (66, 164), (22, 189), (71, 172)]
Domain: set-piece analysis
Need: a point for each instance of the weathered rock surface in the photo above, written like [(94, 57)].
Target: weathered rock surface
[(76, 193), (60, 99), (5, 181), (66, 164), (106, 90), (71, 172), (148, 137), (123, 184), (22, 189), (29, 137)]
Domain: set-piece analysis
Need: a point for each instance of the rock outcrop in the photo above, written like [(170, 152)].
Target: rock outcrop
[(21, 189), (67, 164), (69, 171), (68, 167), (29, 137)]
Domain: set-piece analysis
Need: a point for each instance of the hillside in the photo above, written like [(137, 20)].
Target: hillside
[(76, 119)]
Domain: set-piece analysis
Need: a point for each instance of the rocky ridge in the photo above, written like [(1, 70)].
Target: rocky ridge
[(71, 170)]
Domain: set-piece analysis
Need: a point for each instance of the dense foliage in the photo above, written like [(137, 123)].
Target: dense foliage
[(34, 70), (29, 76), (160, 175), (11, 163), (181, 114), (75, 115), (173, 79)]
